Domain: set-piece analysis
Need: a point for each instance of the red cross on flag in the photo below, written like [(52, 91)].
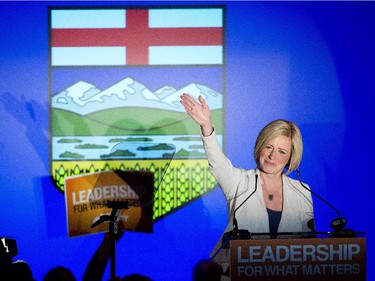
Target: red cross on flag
[(115, 37)]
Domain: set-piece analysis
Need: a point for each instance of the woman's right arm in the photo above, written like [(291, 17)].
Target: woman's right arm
[(199, 112), (220, 166)]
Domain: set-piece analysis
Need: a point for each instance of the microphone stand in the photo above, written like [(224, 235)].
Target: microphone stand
[(242, 233), (112, 218), (235, 233), (338, 224)]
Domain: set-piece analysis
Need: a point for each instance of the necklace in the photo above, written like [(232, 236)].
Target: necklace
[(270, 195)]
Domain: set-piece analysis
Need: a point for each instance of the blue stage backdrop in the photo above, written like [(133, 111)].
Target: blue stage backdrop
[(309, 62)]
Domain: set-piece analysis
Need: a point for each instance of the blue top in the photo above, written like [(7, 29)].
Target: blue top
[(274, 218)]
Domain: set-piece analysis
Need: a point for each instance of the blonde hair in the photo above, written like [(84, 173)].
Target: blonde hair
[(277, 128)]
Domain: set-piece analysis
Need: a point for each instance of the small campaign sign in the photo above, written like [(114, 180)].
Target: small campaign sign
[(88, 199)]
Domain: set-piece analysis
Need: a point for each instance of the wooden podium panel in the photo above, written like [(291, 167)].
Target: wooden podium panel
[(312, 259)]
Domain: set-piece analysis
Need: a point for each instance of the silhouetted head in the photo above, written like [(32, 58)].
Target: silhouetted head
[(59, 273)]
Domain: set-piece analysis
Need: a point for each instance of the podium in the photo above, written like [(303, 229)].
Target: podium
[(297, 259)]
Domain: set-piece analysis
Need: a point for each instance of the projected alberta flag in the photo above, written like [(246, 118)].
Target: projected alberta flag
[(133, 37), (116, 76)]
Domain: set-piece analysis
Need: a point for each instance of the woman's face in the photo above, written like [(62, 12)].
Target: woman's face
[(275, 155)]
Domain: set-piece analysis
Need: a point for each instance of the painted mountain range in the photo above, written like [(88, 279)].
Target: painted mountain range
[(84, 98)]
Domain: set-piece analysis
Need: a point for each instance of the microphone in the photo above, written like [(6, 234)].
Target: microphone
[(235, 224), (116, 206), (338, 224), (237, 233)]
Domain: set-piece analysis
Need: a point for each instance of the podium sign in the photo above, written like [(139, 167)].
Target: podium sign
[(339, 259), (86, 199)]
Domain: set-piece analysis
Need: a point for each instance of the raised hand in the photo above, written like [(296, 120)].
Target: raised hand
[(199, 112)]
